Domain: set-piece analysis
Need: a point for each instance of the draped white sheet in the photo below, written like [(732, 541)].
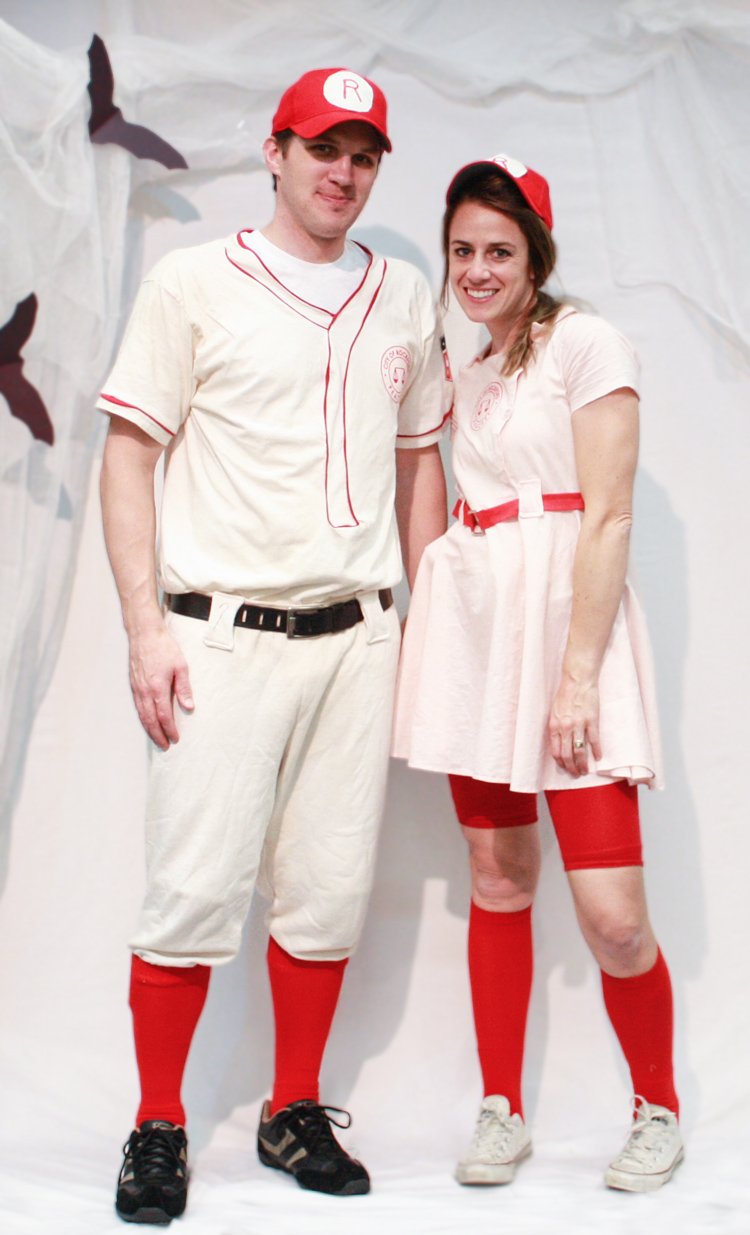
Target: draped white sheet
[(63, 215), (632, 106)]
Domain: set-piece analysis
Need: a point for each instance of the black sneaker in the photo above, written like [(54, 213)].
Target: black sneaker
[(298, 1139), (153, 1181)]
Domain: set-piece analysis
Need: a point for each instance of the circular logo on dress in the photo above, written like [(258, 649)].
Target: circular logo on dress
[(513, 167), (349, 90), (486, 404), (394, 368)]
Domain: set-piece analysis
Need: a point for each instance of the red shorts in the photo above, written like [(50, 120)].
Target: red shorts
[(596, 826)]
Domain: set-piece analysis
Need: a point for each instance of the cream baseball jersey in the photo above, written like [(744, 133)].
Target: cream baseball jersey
[(280, 420)]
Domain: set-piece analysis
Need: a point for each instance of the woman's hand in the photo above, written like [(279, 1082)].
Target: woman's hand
[(574, 725)]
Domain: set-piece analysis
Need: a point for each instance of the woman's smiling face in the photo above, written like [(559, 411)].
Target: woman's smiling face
[(488, 266)]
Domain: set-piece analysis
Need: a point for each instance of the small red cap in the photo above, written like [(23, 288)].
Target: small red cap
[(324, 97), (533, 186)]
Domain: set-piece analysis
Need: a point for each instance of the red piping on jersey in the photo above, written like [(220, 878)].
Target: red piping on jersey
[(346, 374), (334, 318), (447, 416), (122, 403), (364, 276), (288, 290), (255, 279)]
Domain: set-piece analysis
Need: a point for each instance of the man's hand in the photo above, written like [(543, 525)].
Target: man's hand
[(158, 678)]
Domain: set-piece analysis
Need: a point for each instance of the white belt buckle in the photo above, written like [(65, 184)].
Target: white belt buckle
[(530, 500)]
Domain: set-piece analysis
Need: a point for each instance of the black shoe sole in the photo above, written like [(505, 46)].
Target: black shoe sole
[(355, 1187), (154, 1217)]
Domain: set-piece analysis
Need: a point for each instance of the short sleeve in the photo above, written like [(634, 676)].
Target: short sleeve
[(595, 359), (426, 406), (151, 383)]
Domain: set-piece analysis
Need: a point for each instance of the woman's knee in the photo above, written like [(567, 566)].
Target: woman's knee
[(503, 875), (498, 893), (620, 935)]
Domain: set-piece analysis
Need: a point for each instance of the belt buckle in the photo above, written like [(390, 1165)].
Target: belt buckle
[(291, 625)]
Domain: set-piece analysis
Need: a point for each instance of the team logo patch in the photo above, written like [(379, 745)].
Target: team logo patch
[(512, 166), (486, 404), (349, 90), (394, 369)]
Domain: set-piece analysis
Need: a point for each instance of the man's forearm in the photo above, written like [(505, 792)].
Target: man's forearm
[(421, 504), (129, 513)]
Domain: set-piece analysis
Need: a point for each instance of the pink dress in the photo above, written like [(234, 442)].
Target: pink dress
[(490, 613)]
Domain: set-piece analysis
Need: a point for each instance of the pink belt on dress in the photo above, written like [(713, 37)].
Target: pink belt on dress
[(479, 520)]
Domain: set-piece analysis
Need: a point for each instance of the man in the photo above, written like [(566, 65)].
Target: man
[(277, 368)]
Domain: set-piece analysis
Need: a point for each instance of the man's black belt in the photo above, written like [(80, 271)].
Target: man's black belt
[(294, 623)]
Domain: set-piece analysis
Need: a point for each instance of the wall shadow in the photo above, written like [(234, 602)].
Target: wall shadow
[(389, 243), (671, 831)]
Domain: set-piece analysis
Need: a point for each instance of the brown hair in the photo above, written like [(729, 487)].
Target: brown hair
[(491, 187)]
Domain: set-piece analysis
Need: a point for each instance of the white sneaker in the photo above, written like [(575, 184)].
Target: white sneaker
[(501, 1141), (652, 1152)]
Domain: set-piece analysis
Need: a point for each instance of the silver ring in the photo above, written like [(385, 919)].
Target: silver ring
[(578, 744)]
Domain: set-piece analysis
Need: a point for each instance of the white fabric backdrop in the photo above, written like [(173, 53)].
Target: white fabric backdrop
[(63, 213), (402, 1055)]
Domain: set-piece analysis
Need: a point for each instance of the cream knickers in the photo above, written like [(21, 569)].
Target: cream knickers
[(279, 776)]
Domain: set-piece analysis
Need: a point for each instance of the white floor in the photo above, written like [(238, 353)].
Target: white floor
[(66, 1189)]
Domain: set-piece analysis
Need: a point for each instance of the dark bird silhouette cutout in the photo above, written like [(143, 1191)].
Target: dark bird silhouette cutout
[(24, 400), (107, 123)]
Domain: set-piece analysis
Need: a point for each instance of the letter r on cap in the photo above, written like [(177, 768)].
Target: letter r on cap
[(349, 83)]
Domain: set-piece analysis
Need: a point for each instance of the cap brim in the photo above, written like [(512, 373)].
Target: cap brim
[(319, 124)]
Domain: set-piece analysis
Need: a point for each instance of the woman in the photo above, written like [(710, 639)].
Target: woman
[(526, 663)]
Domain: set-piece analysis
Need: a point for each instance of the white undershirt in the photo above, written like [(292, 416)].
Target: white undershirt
[(325, 284)]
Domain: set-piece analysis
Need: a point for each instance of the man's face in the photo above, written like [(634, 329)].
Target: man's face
[(324, 182)]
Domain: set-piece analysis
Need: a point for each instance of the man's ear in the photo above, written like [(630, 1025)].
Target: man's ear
[(272, 154)]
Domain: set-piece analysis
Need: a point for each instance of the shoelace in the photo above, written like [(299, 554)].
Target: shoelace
[(648, 1136), (154, 1154), (494, 1132), (314, 1125)]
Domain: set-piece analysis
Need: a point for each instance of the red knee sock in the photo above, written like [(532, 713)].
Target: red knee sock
[(305, 994), (501, 967), (166, 1003), (640, 1010)]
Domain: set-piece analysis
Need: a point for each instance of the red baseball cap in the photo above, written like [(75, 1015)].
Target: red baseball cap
[(533, 186), (324, 97)]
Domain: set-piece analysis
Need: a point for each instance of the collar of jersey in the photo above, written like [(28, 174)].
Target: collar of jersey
[(249, 263)]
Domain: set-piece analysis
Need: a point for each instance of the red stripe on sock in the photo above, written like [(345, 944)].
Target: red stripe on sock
[(501, 967), (166, 1002), (640, 1010), (305, 994)]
